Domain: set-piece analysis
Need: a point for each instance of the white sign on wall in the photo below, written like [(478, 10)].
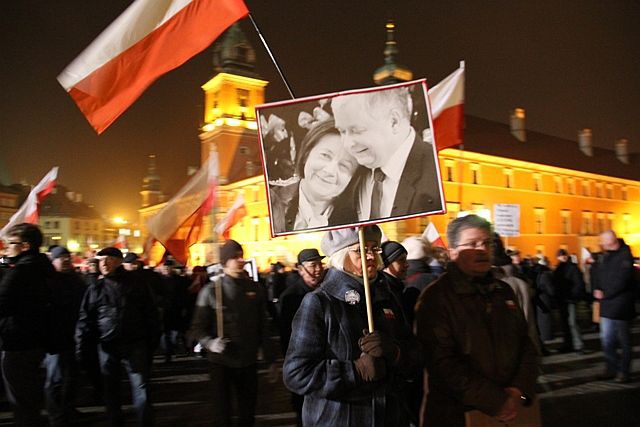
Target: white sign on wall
[(506, 219)]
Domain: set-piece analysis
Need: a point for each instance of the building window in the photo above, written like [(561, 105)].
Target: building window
[(508, 178), (244, 150), (565, 219), (453, 209), (449, 166), (572, 186), (539, 219), (587, 223), (537, 182), (558, 184), (600, 223), (599, 189), (625, 193), (609, 221), (626, 220), (475, 173), (255, 222), (56, 224), (609, 191), (585, 188)]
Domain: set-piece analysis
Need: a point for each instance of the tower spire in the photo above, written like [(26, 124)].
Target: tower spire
[(391, 72), (150, 192)]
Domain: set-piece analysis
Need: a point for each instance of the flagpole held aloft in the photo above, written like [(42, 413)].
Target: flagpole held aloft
[(273, 59), (365, 278)]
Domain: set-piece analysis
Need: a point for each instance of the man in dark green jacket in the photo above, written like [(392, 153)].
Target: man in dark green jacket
[(477, 348)]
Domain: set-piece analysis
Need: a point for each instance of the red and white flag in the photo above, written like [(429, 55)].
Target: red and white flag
[(433, 237), (235, 214), (178, 224), (149, 39), (447, 109), (29, 211)]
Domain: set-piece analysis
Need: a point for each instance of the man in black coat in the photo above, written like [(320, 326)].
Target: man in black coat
[(24, 318), (612, 277), (311, 273), (569, 288), (119, 314)]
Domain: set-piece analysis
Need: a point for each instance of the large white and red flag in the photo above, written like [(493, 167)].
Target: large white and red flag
[(233, 215), (30, 209), (178, 225), (433, 237), (447, 109), (149, 39)]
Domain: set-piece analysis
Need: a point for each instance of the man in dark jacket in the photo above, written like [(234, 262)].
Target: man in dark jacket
[(477, 347), (67, 290), (612, 279), (419, 273), (569, 289), (118, 314), (233, 343), (24, 318), (309, 278)]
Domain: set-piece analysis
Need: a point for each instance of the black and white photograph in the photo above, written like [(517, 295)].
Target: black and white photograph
[(350, 158)]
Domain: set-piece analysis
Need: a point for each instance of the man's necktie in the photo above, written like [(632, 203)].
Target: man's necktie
[(376, 193)]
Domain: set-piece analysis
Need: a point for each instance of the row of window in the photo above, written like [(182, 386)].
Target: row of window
[(77, 225), (560, 184)]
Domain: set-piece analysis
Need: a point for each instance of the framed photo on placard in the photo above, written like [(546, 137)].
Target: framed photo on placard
[(350, 158)]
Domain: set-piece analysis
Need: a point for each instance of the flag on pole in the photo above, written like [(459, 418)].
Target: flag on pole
[(235, 214), (149, 39), (447, 109), (178, 224), (30, 209), (433, 237)]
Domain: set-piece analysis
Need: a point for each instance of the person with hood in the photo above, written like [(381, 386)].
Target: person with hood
[(348, 376), (479, 355), (612, 277), (24, 319)]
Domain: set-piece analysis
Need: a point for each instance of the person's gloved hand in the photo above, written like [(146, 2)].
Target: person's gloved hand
[(378, 344), (217, 345), (370, 368)]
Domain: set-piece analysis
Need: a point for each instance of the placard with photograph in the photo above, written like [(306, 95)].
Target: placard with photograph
[(350, 158)]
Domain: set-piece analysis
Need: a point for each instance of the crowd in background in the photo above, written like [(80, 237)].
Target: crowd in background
[(112, 314)]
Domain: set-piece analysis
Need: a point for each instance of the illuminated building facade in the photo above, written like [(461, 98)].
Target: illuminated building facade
[(567, 192), (9, 202)]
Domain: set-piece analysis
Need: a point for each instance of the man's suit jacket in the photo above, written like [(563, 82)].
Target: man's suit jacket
[(418, 190)]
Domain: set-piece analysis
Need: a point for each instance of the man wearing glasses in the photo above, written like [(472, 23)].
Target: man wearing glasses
[(24, 319), (478, 351)]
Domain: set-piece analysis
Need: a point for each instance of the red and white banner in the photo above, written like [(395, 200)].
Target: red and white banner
[(447, 109), (433, 237), (178, 224), (29, 211), (149, 39), (235, 214)]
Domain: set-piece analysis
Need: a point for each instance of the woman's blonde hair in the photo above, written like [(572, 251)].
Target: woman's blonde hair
[(337, 260)]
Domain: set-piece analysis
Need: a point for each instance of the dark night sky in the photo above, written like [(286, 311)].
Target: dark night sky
[(570, 64)]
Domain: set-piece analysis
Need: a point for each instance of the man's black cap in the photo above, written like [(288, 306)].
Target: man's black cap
[(391, 251), (311, 254), (110, 251), (562, 252), (130, 257)]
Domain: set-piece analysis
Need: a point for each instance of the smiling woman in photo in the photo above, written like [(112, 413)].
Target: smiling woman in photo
[(324, 169)]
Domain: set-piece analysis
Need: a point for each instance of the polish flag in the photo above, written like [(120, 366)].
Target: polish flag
[(447, 109), (433, 237), (29, 211), (149, 39), (235, 214), (178, 225)]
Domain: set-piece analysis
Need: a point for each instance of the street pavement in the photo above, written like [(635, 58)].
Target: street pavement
[(570, 393)]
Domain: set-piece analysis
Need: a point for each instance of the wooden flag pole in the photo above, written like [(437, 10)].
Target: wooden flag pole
[(365, 277), (219, 318), (273, 58)]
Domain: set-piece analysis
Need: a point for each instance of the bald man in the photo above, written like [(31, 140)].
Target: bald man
[(614, 287)]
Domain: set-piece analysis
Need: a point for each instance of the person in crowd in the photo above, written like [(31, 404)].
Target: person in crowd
[(24, 321), (324, 168), (505, 270), (614, 288), (545, 299), (477, 347), (93, 271), (394, 260), (398, 169), (419, 274), (348, 376), (311, 273), (569, 288), (276, 282), (174, 309), (233, 354), (119, 313), (67, 290)]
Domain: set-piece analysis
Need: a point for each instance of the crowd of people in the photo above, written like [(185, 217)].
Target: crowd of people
[(443, 332)]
